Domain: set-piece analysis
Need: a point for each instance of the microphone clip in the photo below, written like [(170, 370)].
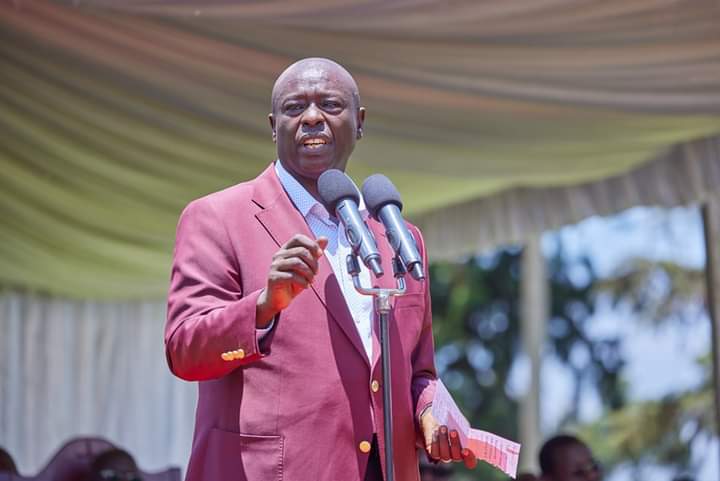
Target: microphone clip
[(381, 295)]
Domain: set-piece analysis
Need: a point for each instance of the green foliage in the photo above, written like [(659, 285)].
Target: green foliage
[(476, 319), (477, 331), (657, 292), (658, 431)]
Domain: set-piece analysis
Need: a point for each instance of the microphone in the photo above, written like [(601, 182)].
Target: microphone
[(341, 197), (383, 201)]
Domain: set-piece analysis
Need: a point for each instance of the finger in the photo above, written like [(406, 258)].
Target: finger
[(291, 277), (455, 448), (300, 240), (315, 246), (301, 253), (444, 444), (469, 458), (295, 264), (295, 274), (435, 446)]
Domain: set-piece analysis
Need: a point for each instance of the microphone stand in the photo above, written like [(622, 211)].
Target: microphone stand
[(382, 308)]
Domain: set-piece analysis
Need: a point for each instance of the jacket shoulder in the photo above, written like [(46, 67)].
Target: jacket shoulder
[(231, 199)]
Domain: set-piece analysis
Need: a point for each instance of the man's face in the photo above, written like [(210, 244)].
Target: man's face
[(575, 463), (315, 119)]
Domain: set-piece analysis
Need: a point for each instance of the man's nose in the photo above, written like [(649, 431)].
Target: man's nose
[(312, 116)]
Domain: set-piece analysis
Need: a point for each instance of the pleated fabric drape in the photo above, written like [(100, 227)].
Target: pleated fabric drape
[(75, 368), (114, 114)]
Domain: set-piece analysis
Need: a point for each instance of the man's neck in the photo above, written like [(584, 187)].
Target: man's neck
[(311, 186)]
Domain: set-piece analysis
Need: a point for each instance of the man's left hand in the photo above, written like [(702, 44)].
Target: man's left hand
[(442, 444)]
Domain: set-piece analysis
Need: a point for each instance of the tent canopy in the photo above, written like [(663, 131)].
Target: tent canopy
[(494, 119)]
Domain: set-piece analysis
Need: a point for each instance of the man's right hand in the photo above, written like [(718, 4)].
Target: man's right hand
[(293, 268)]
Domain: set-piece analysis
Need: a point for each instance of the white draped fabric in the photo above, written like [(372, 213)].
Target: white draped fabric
[(75, 368), (688, 173)]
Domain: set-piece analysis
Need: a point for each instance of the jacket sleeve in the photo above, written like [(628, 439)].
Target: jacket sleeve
[(210, 328), (423, 356)]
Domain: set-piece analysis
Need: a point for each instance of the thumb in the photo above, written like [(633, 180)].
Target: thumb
[(428, 424), (428, 434), (322, 243)]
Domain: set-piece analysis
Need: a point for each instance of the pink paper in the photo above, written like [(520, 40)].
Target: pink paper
[(494, 450)]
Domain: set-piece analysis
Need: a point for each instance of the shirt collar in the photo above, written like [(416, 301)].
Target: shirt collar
[(302, 199)]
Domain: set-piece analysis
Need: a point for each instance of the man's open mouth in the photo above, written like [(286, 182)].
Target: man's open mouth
[(314, 143)]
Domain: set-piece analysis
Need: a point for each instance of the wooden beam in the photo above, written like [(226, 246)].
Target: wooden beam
[(533, 324), (711, 226)]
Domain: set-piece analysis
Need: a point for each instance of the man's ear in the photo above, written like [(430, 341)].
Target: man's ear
[(360, 122), (272, 127)]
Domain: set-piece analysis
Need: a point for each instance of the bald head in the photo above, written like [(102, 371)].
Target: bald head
[(567, 458), (315, 69)]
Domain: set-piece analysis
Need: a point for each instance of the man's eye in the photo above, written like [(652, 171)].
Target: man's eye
[(331, 105), (290, 108)]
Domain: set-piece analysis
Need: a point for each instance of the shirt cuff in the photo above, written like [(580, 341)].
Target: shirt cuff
[(426, 398), (262, 332)]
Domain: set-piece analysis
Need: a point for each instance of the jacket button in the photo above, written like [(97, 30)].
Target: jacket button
[(364, 447), (239, 354), (375, 385), (227, 356)]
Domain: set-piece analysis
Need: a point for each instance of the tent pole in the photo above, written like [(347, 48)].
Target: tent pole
[(711, 226), (533, 325)]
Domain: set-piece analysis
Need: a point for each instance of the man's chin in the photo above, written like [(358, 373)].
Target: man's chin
[(314, 166)]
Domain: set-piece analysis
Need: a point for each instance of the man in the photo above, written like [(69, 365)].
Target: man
[(262, 312), (567, 458), (115, 465), (527, 477), (7, 464)]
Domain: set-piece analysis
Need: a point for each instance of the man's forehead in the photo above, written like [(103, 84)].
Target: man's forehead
[(311, 78), (314, 72), (576, 452)]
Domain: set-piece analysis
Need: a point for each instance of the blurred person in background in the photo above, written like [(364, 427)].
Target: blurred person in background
[(527, 477), (434, 471), (114, 465), (7, 465), (567, 458)]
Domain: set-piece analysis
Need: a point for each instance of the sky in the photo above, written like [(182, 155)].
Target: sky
[(659, 360)]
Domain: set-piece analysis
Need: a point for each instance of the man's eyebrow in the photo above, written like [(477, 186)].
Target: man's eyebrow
[(291, 97), (330, 93), (337, 93)]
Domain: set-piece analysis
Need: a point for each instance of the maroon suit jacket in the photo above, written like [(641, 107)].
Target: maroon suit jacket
[(297, 405)]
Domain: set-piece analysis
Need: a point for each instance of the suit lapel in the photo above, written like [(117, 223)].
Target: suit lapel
[(282, 220)]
